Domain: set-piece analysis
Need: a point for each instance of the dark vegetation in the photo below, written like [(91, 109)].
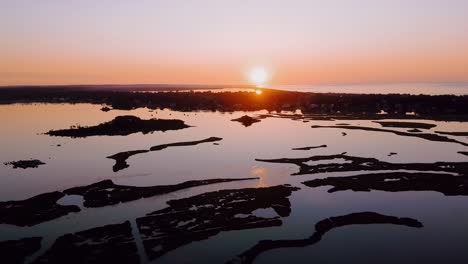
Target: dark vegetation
[(106, 244), (246, 120), (121, 126), (396, 182), (35, 210), (205, 215), (44, 207), (461, 134), (366, 164), (105, 109), (24, 164), (184, 221), (121, 157), (321, 228), (426, 136), (16, 251), (405, 124), (311, 147), (443, 107), (108, 193)]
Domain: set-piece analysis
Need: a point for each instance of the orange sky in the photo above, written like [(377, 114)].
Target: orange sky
[(173, 42)]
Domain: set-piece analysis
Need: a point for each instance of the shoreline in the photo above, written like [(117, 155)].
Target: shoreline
[(404, 106)]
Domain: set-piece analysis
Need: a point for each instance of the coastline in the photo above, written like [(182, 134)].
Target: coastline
[(405, 106)]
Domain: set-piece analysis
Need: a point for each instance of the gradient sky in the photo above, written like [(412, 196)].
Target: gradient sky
[(216, 42)]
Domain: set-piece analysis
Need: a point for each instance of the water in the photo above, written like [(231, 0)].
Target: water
[(392, 88), (451, 88), (78, 162)]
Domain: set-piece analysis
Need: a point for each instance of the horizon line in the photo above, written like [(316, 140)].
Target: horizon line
[(220, 86)]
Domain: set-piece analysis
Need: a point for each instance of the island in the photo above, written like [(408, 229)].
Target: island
[(121, 126), (121, 157), (246, 120), (203, 216), (25, 164)]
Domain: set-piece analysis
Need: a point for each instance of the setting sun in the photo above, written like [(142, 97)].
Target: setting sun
[(258, 76)]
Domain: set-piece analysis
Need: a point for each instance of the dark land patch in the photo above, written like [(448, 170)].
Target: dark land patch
[(106, 244), (309, 148), (44, 207), (405, 124), (106, 109), (121, 126), (463, 153), (415, 130), (460, 134), (25, 164), (321, 228), (365, 164), (121, 157), (335, 116), (202, 216), (426, 136), (392, 154), (185, 144), (396, 182), (35, 210), (246, 120), (346, 106), (106, 192), (16, 251)]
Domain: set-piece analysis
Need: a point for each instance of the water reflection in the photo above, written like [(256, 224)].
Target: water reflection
[(82, 161), (321, 228)]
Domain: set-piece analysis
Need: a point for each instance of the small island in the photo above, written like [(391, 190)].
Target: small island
[(106, 109), (121, 157), (121, 126), (246, 120), (405, 124), (24, 164), (458, 134), (311, 147)]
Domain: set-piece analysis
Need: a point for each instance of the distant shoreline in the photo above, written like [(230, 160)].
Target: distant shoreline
[(442, 107), (416, 88)]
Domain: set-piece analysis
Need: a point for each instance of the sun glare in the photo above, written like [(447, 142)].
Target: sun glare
[(258, 76)]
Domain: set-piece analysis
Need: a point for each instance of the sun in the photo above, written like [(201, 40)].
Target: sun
[(258, 76)]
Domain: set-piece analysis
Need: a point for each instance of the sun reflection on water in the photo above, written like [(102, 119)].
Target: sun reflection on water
[(261, 173)]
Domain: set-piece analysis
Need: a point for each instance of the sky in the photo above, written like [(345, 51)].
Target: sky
[(298, 42)]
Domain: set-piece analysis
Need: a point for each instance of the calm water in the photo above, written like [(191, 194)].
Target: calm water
[(394, 88), (78, 162)]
